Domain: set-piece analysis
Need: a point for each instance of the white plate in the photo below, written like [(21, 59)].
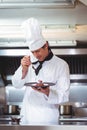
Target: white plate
[(45, 84)]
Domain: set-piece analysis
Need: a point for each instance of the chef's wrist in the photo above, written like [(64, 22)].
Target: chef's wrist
[(24, 71)]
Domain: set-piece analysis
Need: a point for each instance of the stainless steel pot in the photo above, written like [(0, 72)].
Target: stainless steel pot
[(73, 108), (11, 109), (75, 104), (65, 110)]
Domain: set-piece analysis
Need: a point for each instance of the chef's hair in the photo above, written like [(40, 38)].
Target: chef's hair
[(48, 45)]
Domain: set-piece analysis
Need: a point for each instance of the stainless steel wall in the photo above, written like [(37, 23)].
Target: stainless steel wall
[(78, 92)]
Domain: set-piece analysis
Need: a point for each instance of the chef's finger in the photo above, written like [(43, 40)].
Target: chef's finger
[(25, 61)]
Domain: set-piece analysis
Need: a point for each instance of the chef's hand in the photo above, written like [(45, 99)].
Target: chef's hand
[(40, 88), (25, 62)]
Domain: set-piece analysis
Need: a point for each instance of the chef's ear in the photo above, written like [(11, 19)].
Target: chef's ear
[(46, 45)]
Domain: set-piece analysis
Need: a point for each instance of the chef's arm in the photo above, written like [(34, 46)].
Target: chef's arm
[(25, 63), (17, 81), (60, 92), (24, 71), (57, 97), (19, 77)]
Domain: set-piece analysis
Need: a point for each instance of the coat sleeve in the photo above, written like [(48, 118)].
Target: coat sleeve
[(17, 81), (61, 92)]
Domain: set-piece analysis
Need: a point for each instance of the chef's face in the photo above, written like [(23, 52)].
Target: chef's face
[(41, 53)]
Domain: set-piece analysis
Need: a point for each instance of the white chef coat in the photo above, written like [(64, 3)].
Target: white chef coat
[(37, 107)]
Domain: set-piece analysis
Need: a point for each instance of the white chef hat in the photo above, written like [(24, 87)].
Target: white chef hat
[(33, 34)]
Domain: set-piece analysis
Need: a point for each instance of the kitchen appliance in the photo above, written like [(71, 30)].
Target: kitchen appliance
[(73, 121), (78, 113), (79, 118), (37, 4)]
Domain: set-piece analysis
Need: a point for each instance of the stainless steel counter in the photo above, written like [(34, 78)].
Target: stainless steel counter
[(73, 120), (42, 127), (63, 120), (69, 124)]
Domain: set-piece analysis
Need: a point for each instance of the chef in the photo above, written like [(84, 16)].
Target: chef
[(40, 102)]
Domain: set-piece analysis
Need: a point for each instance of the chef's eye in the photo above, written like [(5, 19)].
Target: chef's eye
[(36, 51)]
